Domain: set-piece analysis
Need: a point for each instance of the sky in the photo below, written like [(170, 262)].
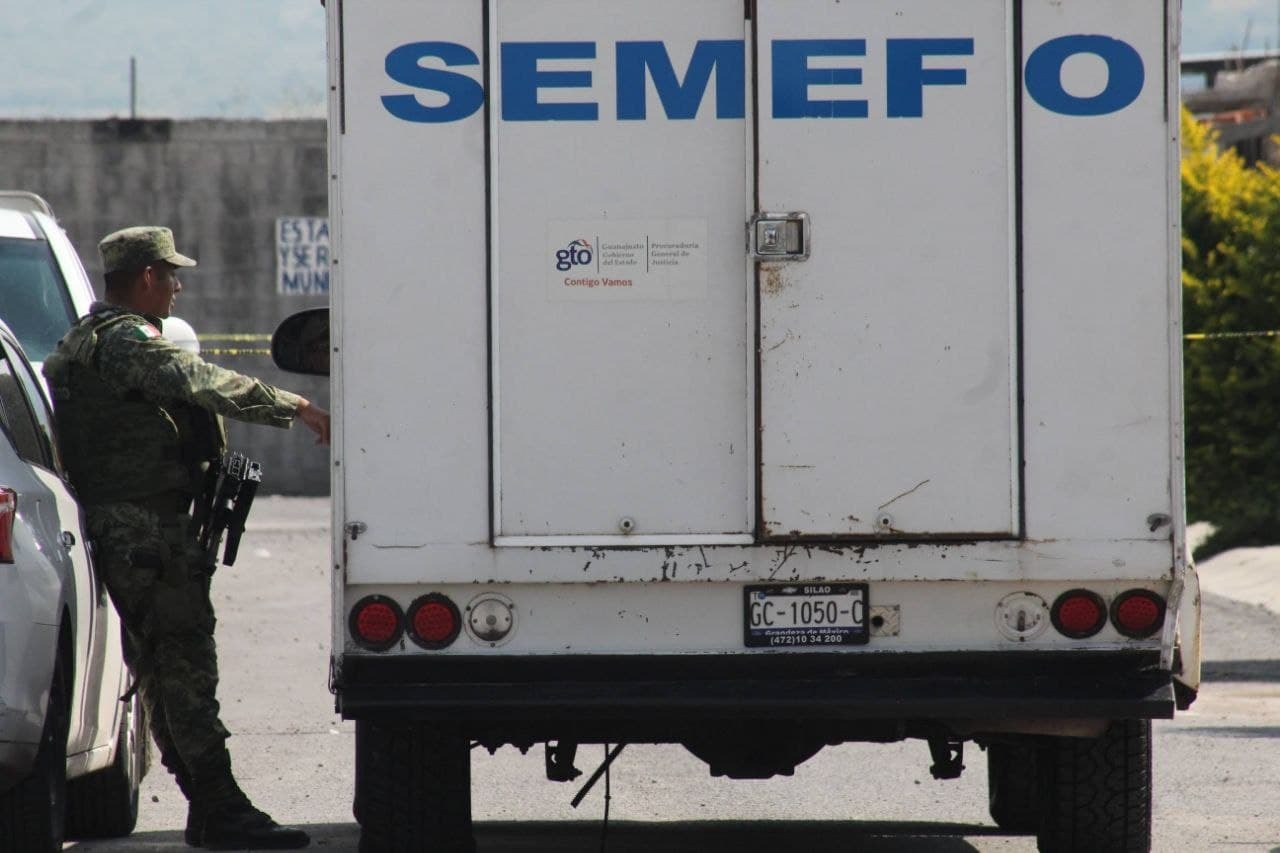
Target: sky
[(266, 58), (195, 58), (1209, 26)]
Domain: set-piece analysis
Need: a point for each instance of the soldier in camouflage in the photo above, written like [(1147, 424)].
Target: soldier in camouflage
[(138, 423)]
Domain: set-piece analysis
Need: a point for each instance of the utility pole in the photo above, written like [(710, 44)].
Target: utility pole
[(133, 87)]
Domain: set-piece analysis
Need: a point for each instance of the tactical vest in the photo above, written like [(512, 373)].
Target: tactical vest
[(121, 447)]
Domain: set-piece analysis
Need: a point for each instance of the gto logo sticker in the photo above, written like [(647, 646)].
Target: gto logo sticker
[(577, 253), (626, 259)]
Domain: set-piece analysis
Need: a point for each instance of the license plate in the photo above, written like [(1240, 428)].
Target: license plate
[(806, 614)]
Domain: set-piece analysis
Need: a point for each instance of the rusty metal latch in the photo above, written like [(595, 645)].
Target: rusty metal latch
[(779, 236)]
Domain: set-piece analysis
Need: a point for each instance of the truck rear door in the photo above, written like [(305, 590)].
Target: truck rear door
[(632, 146), (888, 355), (621, 290)]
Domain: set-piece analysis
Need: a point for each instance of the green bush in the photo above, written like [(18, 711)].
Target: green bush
[(1231, 284)]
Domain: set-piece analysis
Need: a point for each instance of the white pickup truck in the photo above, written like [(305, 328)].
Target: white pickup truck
[(757, 376)]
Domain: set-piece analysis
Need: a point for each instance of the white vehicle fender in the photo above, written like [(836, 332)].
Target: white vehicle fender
[(1186, 661)]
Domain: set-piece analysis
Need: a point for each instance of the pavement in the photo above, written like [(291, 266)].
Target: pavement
[(1251, 575), (281, 514)]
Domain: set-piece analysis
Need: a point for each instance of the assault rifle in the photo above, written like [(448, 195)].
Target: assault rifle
[(223, 505)]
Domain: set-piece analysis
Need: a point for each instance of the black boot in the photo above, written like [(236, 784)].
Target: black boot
[(195, 824), (221, 817), (230, 826)]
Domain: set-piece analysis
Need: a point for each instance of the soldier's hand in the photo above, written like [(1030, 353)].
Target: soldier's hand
[(316, 419)]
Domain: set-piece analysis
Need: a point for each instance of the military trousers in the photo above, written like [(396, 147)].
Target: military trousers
[(146, 554)]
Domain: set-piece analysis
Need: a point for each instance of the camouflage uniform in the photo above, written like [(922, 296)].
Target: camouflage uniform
[(138, 422)]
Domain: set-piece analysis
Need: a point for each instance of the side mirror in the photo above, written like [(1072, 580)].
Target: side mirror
[(301, 343)]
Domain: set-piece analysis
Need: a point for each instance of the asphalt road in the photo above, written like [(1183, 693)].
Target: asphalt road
[(1217, 766)]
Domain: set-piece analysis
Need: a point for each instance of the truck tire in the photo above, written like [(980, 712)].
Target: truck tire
[(1096, 793), (362, 761), (33, 813), (104, 804), (414, 789), (1012, 786)]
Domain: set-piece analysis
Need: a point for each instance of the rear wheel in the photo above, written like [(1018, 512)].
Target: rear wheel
[(1012, 786), (413, 791), (32, 815), (1096, 793), (104, 804), (362, 759)]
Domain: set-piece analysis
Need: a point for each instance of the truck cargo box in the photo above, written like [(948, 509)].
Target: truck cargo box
[(709, 369)]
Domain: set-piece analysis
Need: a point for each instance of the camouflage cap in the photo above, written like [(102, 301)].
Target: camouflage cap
[(135, 247)]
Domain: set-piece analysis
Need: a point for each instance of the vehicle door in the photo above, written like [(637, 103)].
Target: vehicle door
[(886, 247), (98, 675), (866, 361), (622, 306)]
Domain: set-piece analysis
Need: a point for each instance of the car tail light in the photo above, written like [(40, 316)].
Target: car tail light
[(376, 623), (8, 512), (1079, 613), (1138, 613), (434, 621)]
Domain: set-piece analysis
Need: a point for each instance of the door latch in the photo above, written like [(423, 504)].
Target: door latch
[(779, 236)]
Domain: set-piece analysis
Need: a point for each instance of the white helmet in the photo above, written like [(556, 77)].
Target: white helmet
[(180, 332)]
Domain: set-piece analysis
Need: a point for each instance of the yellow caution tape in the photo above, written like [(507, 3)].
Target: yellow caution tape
[(233, 351), (1209, 336), (233, 336)]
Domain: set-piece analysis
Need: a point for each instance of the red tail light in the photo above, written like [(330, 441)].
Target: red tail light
[(8, 512), (434, 621), (1079, 613), (1138, 613), (376, 623)]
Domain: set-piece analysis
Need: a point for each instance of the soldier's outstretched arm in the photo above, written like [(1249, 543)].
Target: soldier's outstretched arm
[(135, 357)]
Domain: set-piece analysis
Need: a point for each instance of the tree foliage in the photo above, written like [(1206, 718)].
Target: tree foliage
[(1231, 285)]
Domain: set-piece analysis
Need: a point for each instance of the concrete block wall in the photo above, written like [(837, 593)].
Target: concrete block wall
[(220, 185)]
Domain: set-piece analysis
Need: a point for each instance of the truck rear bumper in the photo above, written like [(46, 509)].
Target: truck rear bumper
[(638, 691)]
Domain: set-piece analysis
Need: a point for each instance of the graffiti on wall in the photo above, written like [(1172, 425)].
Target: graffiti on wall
[(302, 255)]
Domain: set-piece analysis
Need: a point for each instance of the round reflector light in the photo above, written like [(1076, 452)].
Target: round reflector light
[(434, 621), (376, 622), (490, 618), (1138, 613), (1079, 613)]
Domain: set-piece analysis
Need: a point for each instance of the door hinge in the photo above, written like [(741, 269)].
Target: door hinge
[(355, 529)]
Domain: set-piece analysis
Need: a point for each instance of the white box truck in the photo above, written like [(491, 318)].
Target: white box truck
[(757, 376)]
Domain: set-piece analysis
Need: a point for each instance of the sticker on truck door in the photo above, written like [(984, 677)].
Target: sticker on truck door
[(631, 259)]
